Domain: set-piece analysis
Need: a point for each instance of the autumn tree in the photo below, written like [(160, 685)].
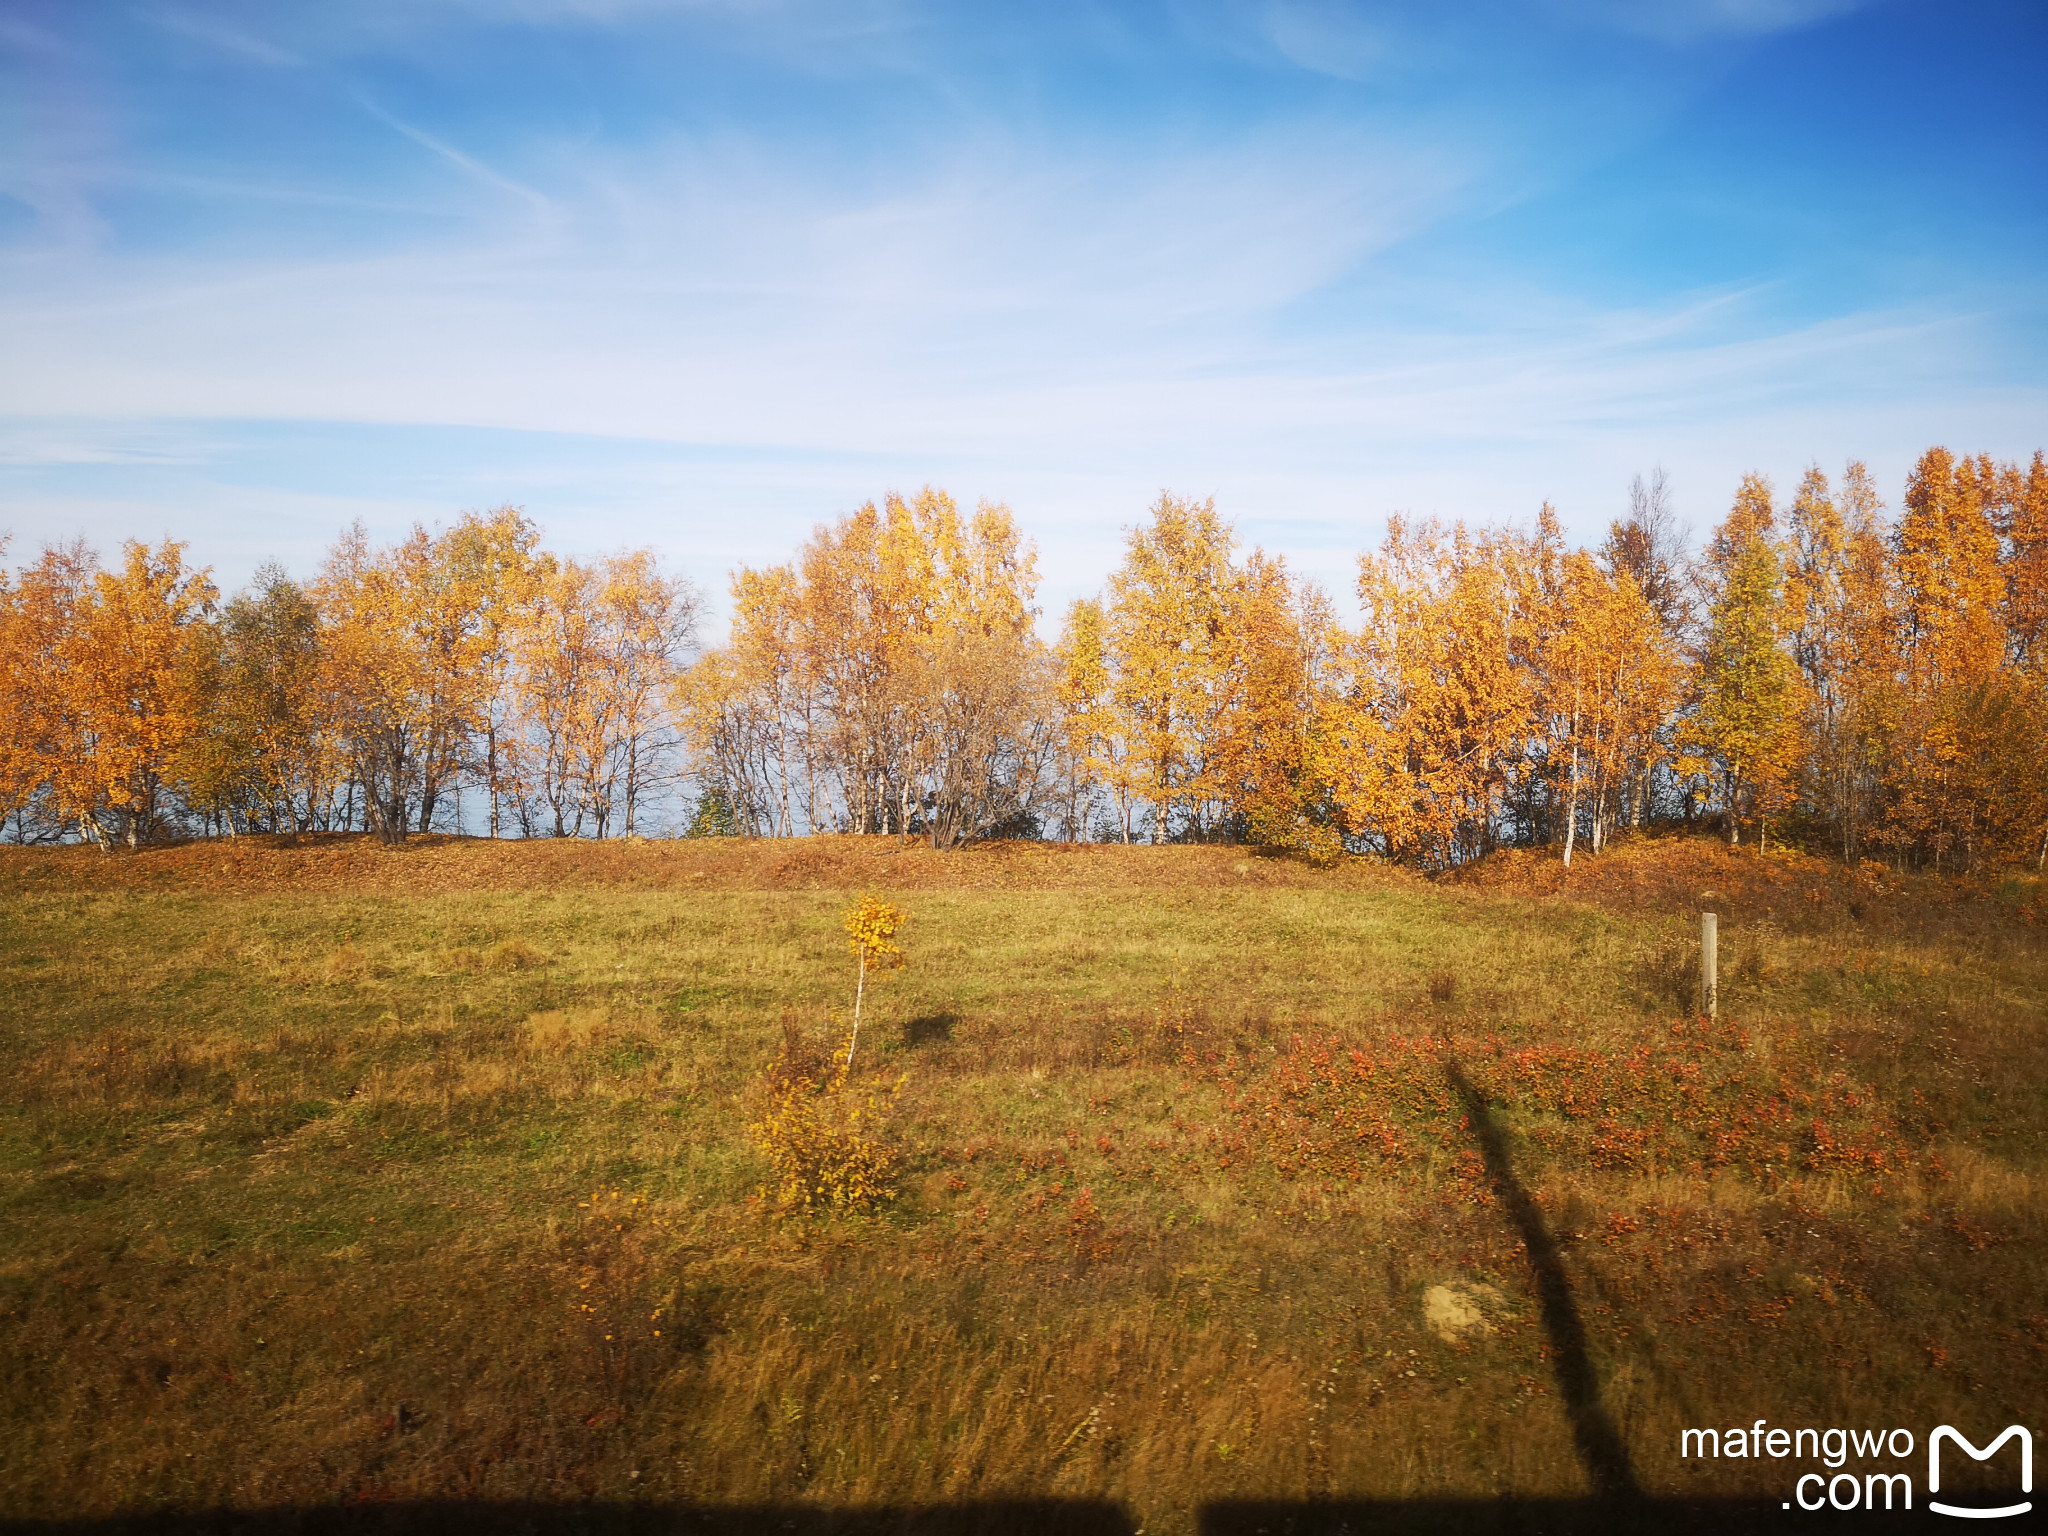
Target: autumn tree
[(271, 764), (487, 565), (982, 734), (1950, 583), (462, 591), (418, 643), (595, 658), (377, 666), (2024, 529), (731, 742), (1094, 752), (1607, 672), (111, 692), (1648, 546), (1959, 788), (752, 714), (1266, 769), (1844, 629), (1167, 615), (126, 701), (33, 614), (563, 709), (1424, 736), (1816, 619), (862, 589), (1647, 549), (889, 679), (1196, 686), (1561, 608), (650, 627), (1745, 725)]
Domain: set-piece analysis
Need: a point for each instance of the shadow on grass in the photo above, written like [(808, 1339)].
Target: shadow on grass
[(1077, 1517), (1600, 1447), (930, 1029)]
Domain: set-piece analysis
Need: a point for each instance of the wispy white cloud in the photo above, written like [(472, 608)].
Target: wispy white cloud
[(1685, 21), (19, 34), (236, 189), (224, 37), (981, 303), (768, 321), (30, 443), (56, 138), (1330, 37), (833, 38), (1310, 441), (466, 163)]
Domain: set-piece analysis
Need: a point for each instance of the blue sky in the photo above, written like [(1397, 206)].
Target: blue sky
[(699, 275)]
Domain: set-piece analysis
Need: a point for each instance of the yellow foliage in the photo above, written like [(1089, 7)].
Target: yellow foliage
[(869, 928), (1879, 683), (827, 1140), (887, 679), (106, 687)]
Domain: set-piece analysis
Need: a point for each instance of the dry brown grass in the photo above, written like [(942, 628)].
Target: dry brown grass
[(358, 865), (332, 1173)]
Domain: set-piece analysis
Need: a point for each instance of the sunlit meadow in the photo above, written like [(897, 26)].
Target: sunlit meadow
[(335, 1174)]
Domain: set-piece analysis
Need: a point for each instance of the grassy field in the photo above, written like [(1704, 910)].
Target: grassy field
[(331, 1174)]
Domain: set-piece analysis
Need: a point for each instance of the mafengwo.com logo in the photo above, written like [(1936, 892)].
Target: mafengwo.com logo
[(1943, 1433), (1839, 1486)]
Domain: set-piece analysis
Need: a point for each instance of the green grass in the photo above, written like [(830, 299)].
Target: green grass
[(368, 1179)]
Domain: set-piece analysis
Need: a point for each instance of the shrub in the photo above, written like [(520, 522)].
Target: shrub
[(713, 815), (827, 1138)]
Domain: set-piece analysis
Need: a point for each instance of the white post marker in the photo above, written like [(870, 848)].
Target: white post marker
[(1710, 991)]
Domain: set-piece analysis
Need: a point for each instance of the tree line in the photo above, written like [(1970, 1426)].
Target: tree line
[(1824, 670), (137, 706), (1819, 670)]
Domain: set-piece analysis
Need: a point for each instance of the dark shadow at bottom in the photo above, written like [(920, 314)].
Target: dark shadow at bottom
[(1525, 1517), (1087, 1517), (1081, 1517)]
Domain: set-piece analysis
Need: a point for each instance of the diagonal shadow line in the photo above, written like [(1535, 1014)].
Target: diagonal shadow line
[(1600, 1445)]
